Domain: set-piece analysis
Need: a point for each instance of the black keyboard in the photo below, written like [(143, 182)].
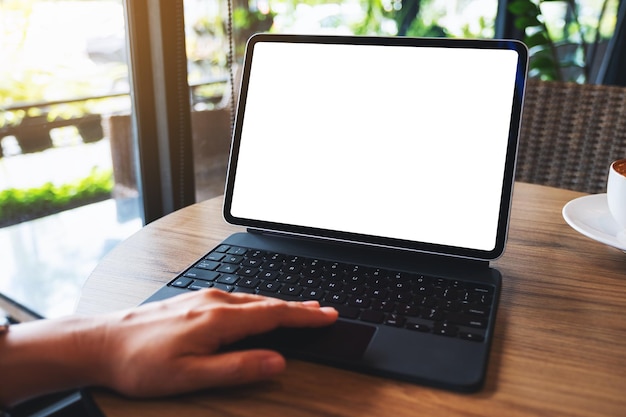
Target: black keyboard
[(417, 302)]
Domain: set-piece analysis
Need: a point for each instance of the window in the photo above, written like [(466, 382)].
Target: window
[(67, 186)]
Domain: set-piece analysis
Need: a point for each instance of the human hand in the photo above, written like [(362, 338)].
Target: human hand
[(156, 349), (173, 346)]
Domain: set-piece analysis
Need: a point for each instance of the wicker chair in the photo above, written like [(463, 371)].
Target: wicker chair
[(570, 134)]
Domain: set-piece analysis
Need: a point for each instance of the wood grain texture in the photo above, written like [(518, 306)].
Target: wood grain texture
[(560, 337)]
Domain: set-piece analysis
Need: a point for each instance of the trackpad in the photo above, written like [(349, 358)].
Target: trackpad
[(344, 341)]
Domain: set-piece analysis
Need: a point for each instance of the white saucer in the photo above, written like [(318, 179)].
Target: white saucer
[(590, 216)]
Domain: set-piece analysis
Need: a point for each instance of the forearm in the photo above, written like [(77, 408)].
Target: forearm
[(159, 348), (45, 356)]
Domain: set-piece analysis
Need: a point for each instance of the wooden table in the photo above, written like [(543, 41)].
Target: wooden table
[(559, 346)]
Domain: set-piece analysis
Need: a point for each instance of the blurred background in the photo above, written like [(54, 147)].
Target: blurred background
[(72, 157)]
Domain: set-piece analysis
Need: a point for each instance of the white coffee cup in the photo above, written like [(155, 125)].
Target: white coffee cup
[(616, 191)]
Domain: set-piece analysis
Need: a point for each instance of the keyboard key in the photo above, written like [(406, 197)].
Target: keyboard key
[(347, 311), (472, 336), (401, 286), (245, 290), (470, 321), (202, 274), (379, 293), (271, 266), (291, 269), (421, 303), (449, 305), (452, 332), (430, 302), (477, 323), (312, 272), (276, 257), (236, 251), (276, 294), (310, 282), (401, 296), (432, 314), (268, 275), (181, 282), (313, 294), (227, 279), (446, 293), (256, 254), (210, 265), (457, 285), (445, 329), (269, 286), (353, 279), (403, 277), (478, 311), (383, 305), (332, 275), (332, 285), (215, 256), (253, 262), (355, 289), (372, 316), (224, 287), (408, 310), (289, 278), (395, 320), (378, 282), (228, 268), (336, 269), (199, 285), (232, 259), (418, 327), (484, 299), (425, 290), (424, 280), (480, 289), (248, 283), (359, 302), (314, 264), (291, 290), (248, 271), (336, 298), (379, 273)]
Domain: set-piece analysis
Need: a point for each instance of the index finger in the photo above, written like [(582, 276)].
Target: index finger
[(236, 321)]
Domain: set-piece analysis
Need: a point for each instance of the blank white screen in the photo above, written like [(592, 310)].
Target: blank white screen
[(399, 142)]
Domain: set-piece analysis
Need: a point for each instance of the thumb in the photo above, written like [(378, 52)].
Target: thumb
[(233, 368)]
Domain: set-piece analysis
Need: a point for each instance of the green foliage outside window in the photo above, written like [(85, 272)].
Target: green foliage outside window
[(18, 205), (567, 48), (411, 18)]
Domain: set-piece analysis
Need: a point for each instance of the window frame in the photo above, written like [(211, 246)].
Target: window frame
[(161, 105)]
